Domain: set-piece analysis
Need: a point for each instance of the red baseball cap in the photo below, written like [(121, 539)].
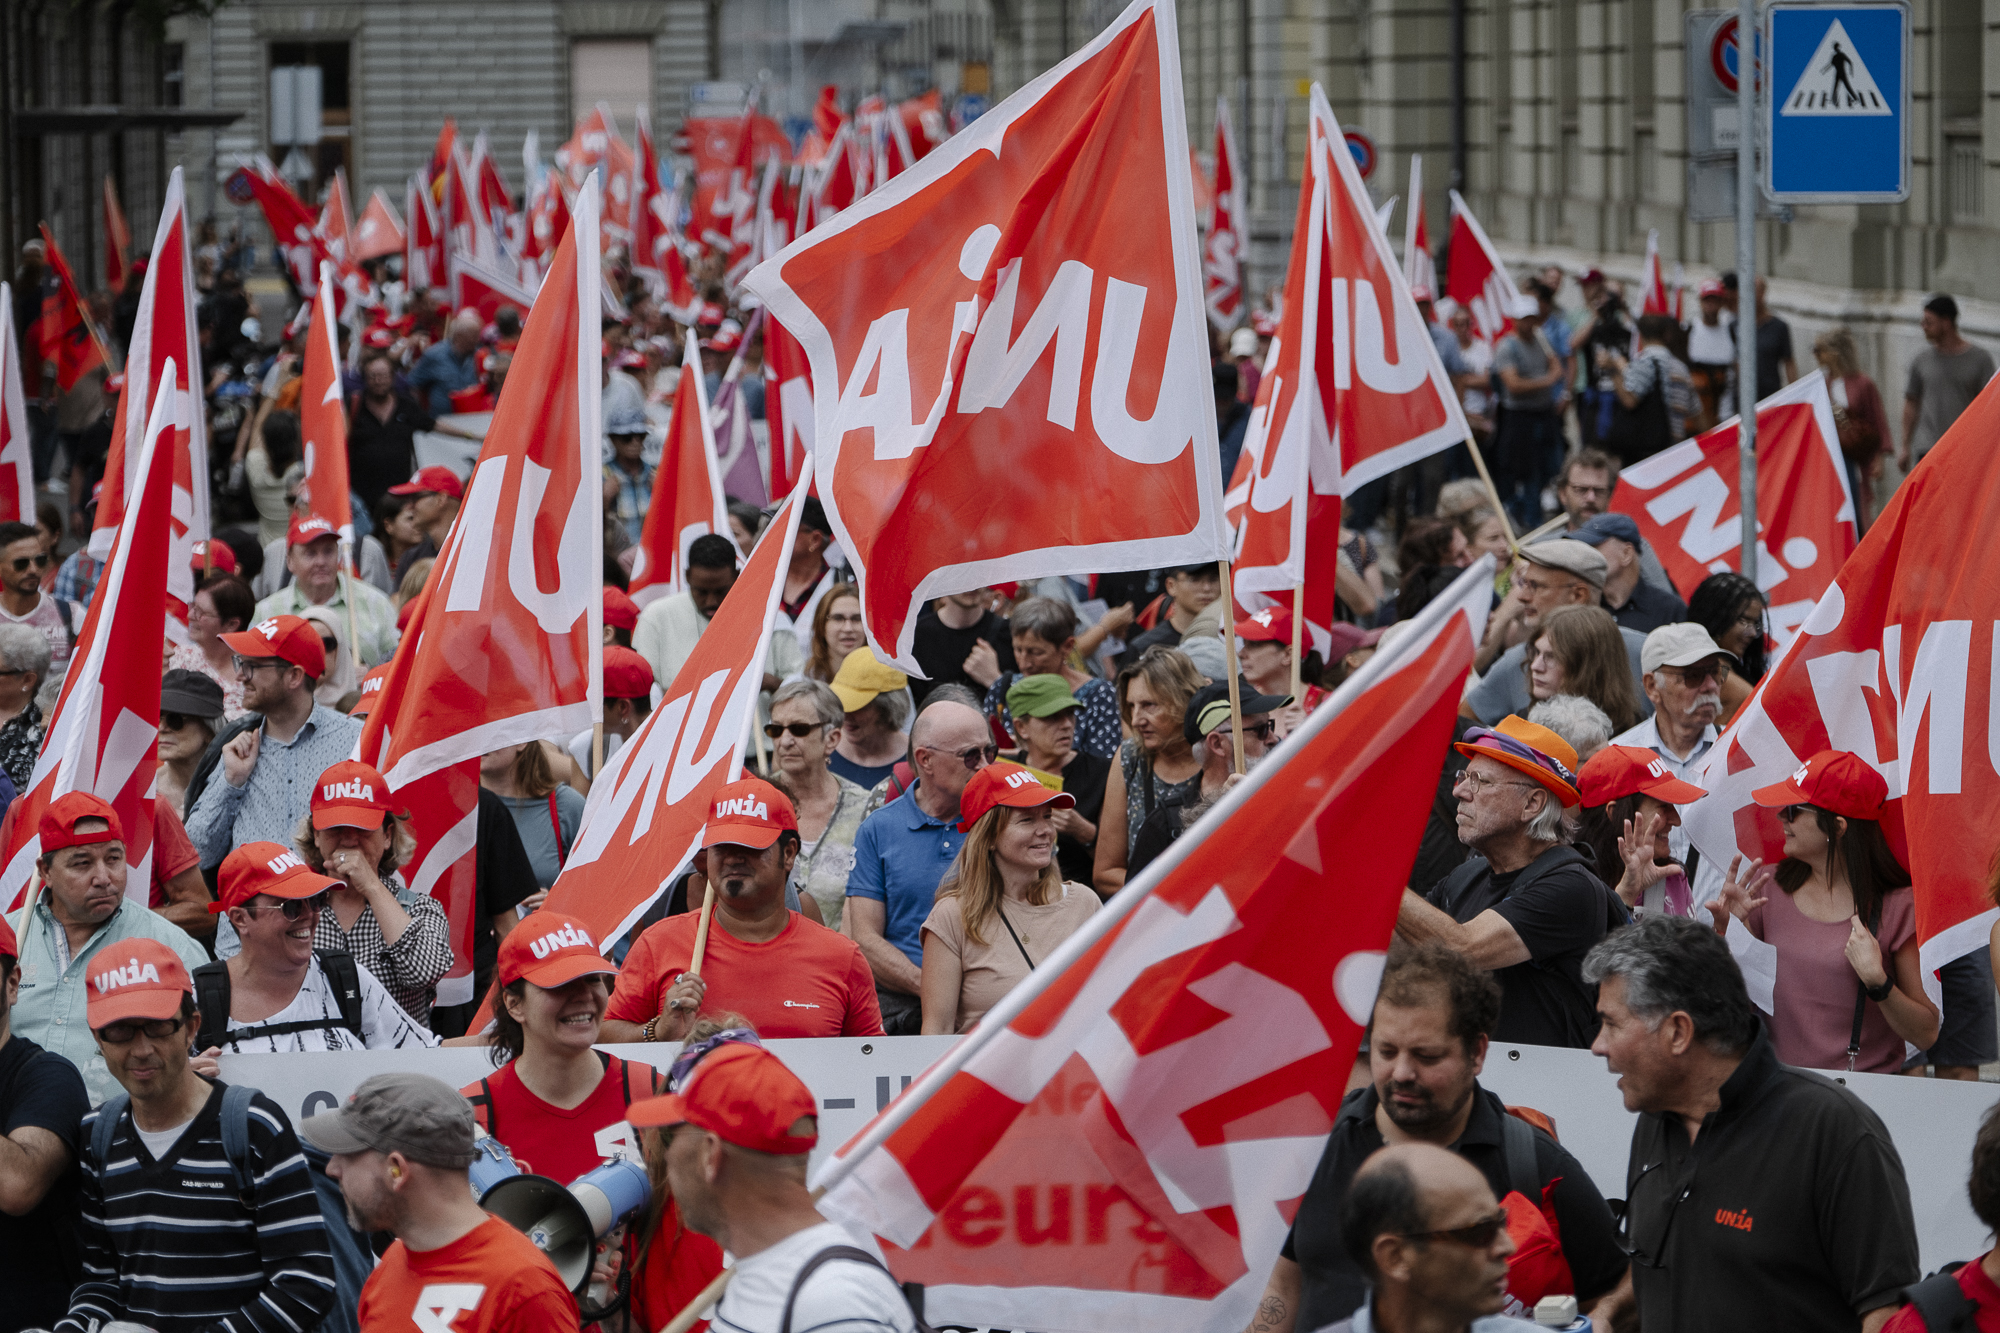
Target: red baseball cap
[(740, 1093), (147, 982), (1836, 780), (432, 481), (1626, 770), (626, 674), (1006, 783), (266, 867), (65, 812), (620, 611), (292, 638), (219, 555), (550, 949), (371, 690), (749, 813), (1273, 624), (309, 528), (351, 794)]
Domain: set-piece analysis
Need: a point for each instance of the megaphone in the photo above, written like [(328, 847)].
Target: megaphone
[(566, 1223)]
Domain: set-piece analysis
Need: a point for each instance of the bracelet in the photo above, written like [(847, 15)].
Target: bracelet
[(650, 1031), (1881, 992)]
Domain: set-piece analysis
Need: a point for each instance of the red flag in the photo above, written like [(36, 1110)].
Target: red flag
[(495, 200), (1686, 503), (548, 218), (17, 468), (475, 285), (837, 182), (163, 331), (336, 221), (724, 166), (104, 731), (1165, 1080), (507, 645), (447, 142), (652, 231), (423, 252), (117, 236), (1227, 242), (788, 406), (1655, 301), (1332, 410), (1896, 663), (467, 229), (687, 491), (323, 419), (1475, 277), (934, 413), (379, 231), (293, 226), (597, 143), (65, 332)]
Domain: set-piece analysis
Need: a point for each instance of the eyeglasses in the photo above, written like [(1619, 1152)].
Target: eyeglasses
[(1649, 1251), (1263, 731), (1587, 490), (1480, 1235), (843, 620), (294, 908), (1750, 622), (975, 758), (799, 729), (1792, 813), (38, 561), (1480, 783), (246, 665), (126, 1032)]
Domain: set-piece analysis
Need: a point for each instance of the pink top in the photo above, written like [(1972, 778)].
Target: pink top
[(1817, 985)]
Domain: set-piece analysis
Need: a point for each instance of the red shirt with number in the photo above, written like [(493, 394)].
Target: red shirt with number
[(490, 1280), (807, 981)]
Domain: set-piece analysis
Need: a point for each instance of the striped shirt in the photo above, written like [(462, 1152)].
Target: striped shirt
[(408, 969), (169, 1243), (383, 1022)]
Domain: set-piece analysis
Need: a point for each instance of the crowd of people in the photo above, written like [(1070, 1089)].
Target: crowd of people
[(905, 850)]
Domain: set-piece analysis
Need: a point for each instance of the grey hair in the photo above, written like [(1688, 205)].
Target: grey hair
[(1551, 823), (1049, 620), (895, 706), (25, 648), (825, 703), (1673, 964), (1577, 720)]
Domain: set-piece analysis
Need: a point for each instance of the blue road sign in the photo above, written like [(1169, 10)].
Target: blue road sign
[(1837, 104)]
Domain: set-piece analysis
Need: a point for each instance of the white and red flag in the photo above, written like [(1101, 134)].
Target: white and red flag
[(1228, 240), (163, 334), (1474, 276), (293, 226), (788, 405), (1688, 508), (423, 254), (323, 420), (104, 732), (467, 229), (652, 229), (484, 287), (548, 220), (1654, 299), (1897, 664), (378, 231), (974, 330), (1352, 389), (1419, 269), (508, 643), (117, 237), (839, 179), (496, 201), (1120, 1142), (17, 465), (687, 491)]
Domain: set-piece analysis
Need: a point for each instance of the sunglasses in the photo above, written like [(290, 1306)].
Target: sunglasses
[(1792, 813), (38, 561), (173, 721), (294, 908), (330, 645), (975, 758), (1479, 1236), (799, 729), (127, 1031)]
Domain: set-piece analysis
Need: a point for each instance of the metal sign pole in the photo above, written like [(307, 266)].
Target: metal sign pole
[(1747, 139)]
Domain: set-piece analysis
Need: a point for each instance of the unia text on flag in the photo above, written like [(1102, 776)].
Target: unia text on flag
[(1116, 1144), (688, 500), (1224, 248), (117, 237), (1474, 276), (163, 333), (323, 420), (1687, 506), (788, 405), (1896, 663), (103, 734), (66, 336), (17, 464), (975, 330), (507, 645)]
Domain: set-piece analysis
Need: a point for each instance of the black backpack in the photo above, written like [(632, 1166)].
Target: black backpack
[(913, 1292), (211, 997), (1941, 1303)]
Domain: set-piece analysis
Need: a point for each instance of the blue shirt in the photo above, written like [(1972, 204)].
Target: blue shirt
[(440, 372), (900, 855)]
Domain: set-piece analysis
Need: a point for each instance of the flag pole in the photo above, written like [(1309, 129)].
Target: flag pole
[(353, 635), (596, 748), (690, 1313), (1298, 638), (1229, 655), (1479, 461)]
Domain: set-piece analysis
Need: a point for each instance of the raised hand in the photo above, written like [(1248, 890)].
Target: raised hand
[(1635, 849), (1746, 888)]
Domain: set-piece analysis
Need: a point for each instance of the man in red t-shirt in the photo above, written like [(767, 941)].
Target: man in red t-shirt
[(788, 976), (1975, 1289), (400, 1149)]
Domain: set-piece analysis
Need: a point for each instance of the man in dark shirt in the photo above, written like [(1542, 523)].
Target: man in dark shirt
[(961, 639), (1633, 602), (1428, 1041), (381, 433), (1776, 365), (1190, 591), (42, 1105), (1526, 905), (1755, 1193)]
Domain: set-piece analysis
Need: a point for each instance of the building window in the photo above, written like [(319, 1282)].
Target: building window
[(311, 113), (173, 73), (617, 71)]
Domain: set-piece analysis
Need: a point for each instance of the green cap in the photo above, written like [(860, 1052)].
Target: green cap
[(1040, 696)]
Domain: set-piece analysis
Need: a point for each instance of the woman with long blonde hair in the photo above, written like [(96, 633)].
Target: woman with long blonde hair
[(1003, 906)]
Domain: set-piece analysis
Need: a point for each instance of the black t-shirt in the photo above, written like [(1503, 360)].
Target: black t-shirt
[(1774, 348), (1332, 1288), (40, 1253), (1162, 634), (1135, 588), (1084, 778), (1648, 608), (1559, 909), (504, 876), (1441, 852), (381, 454), (941, 650), (1791, 1204)]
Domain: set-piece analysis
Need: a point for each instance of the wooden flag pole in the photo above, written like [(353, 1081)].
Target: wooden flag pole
[(1298, 642), (701, 930), (353, 636), (1479, 461), (596, 748), (691, 1313), (1229, 656)]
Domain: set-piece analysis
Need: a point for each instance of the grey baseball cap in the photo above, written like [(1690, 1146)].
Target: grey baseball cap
[(423, 1118), (1571, 557)]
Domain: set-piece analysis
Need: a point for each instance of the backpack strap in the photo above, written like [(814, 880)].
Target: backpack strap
[(211, 997), (1517, 1142), (1941, 1303), (851, 1253), (483, 1111), (345, 974), (236, 1138), (106, 1126)]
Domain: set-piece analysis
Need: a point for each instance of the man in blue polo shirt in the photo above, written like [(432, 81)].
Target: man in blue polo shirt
[(904, 849)]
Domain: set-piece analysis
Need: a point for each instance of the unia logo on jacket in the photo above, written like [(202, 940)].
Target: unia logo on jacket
[(565, 938), (747, 806), (356, 790), (279, 864), (132, 974)]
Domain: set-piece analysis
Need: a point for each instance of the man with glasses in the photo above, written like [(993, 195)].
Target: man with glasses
[(903, 850), (1549, 574), (80, 922), (277, 992), (1755, 1192), (1525, 905), (1207, 728), (179, 1231), (23, 561), (312, 556), (269, 770)]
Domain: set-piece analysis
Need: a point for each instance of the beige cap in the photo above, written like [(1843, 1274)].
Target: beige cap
[(1571, 557), (1679, 645)]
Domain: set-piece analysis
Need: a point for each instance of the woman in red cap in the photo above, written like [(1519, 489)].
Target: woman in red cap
[(1849, 990), (1628, 810), (1003, 906)]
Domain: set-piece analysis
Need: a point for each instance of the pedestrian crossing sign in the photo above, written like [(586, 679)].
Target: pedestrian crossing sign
[(1840, 134)]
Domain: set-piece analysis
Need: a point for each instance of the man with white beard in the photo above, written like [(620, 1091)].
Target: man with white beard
[(1207, 728), (1683, 679)]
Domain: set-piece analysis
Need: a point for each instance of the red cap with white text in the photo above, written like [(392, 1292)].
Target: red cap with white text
[(351, 794), (749, 813), (135, 978), (550, 949), (1005, 783), (292, 638), (267, 867), (1839, 781), (309, 528)]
